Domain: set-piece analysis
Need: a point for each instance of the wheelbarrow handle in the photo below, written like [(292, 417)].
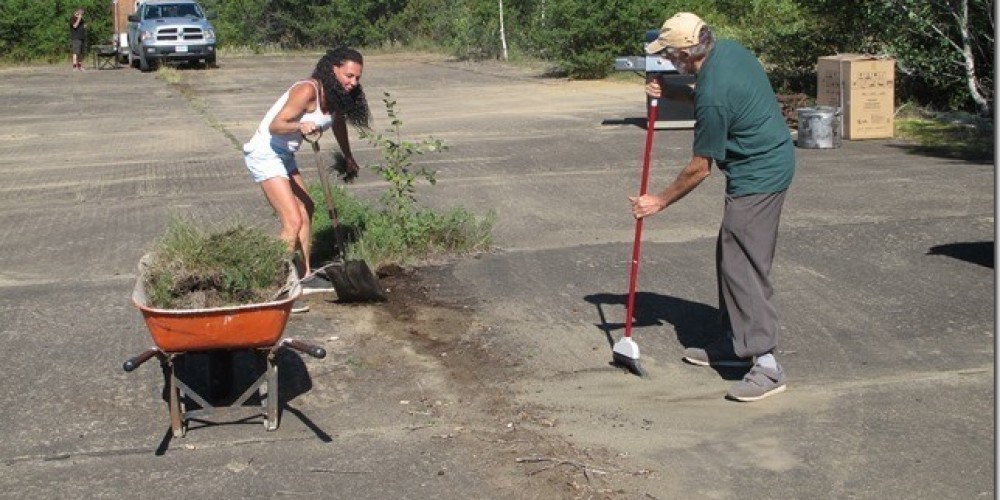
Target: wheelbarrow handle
[(312, 350), (136, 361)]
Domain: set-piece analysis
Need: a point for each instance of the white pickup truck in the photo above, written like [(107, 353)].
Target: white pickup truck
[(170, 30)]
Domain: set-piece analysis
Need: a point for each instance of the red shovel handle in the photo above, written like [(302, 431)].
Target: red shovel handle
[(637, 243)]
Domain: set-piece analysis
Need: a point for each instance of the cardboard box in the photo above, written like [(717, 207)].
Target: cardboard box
[(864, 88)]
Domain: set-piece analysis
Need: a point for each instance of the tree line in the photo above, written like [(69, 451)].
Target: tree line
[(944, 48)]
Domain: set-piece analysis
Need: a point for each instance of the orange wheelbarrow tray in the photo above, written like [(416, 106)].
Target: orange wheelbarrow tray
[(253, 326)]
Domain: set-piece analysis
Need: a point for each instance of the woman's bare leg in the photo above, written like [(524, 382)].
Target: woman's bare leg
[(306, 208), (280, 195)]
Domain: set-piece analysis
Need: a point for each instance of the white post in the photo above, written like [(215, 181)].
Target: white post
[(503, 38)]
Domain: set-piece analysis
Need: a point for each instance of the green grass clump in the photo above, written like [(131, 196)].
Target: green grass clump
[(956, 136), (195, 268), (398, 231), (422, 235), (381, 238), (169, 75)]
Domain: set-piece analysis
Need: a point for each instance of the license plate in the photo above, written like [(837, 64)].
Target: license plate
[(181, 48)]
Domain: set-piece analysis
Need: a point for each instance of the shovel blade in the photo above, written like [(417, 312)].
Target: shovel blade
[(354, 281)]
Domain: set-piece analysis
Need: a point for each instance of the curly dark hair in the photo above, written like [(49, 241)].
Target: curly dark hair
[(352, 104)]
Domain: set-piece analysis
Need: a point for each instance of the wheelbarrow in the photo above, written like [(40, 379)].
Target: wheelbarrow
[(178, 332)]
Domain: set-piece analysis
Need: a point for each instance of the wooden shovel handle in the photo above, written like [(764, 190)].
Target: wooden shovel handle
[(324, 179)]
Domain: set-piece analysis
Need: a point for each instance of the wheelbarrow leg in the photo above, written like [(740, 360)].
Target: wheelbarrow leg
[(271, 400), (176, 412)]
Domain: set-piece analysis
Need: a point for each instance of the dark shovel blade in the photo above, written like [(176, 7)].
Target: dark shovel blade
[(354, 282)]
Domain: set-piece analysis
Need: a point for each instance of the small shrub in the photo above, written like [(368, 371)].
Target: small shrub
[(425, 234), (399, 231), (380, 238), (195, 268), (395, 164)]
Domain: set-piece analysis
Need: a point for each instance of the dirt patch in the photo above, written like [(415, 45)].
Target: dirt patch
[(430, 331)]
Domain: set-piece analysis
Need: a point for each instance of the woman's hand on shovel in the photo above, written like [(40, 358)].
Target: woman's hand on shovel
[(310, 131)]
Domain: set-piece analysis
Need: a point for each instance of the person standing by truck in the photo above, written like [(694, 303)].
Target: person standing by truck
[(330, 99), (77, 39)]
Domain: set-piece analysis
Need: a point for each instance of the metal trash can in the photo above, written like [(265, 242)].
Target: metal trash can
[(671, 113), (819, 127)]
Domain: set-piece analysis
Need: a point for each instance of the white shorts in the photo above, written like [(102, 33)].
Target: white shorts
[(264, 165)]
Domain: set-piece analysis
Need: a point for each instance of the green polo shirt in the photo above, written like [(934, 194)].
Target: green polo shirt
[(738, 122)]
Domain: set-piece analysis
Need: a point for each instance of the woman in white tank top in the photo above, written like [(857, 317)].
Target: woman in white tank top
[(328, 100)]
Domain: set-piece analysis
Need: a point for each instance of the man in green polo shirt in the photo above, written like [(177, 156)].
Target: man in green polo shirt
[(739, 127)]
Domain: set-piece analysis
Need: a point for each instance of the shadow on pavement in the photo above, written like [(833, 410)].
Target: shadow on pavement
[(637, 122), (223, 375), (978, 252), (696, 324)]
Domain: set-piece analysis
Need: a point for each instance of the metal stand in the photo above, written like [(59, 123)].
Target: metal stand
[(268, 407), (673, 113), (105, 57), (177, 390)]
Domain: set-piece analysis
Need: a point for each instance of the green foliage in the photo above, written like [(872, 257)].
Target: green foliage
[(39, 29), (412, 23), (468, 29), (929, 43), (581, 37), (287, 23), (193, 267), (948, 137), (352, 214), (787, 49), (349, 22), (399, 231), (476, 30), (425, 233), (240, 23), (380, 238), (925, 39), (395, 164)]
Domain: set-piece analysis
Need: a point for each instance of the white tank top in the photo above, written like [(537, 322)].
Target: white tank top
[(262, 139)]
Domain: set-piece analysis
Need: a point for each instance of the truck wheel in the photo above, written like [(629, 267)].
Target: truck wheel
[(211, 62), (143, 64)]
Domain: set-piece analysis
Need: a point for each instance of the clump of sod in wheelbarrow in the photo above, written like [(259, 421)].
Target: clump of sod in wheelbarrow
[(196, 268)]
